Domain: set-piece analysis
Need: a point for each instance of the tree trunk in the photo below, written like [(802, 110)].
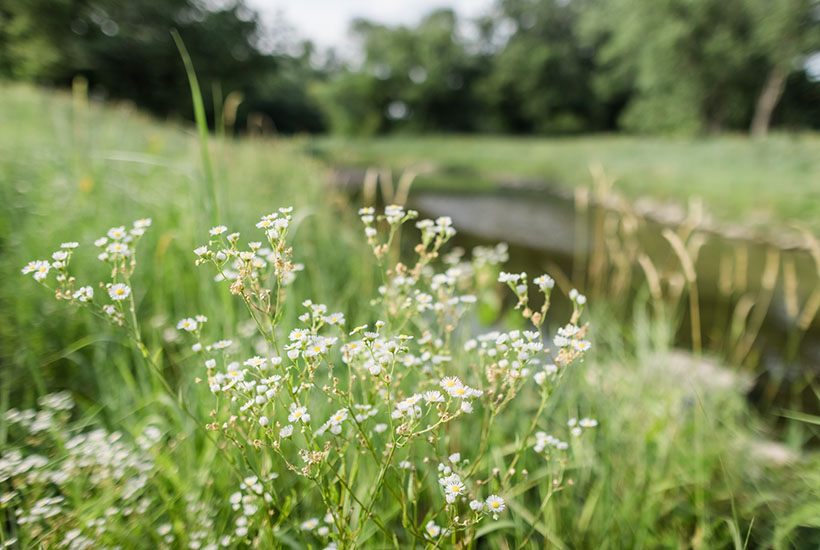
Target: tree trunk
[(767, 101)]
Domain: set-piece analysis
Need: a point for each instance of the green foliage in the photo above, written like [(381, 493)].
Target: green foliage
[(125, 50), (545, 67), (675, 461)]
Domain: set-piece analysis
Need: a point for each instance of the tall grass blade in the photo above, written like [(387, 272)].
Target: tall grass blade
[(201, 124)]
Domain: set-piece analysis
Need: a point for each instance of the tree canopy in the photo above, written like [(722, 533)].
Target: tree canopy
[(528, 66)]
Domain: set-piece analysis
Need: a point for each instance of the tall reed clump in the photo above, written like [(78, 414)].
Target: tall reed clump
[(392, 433)]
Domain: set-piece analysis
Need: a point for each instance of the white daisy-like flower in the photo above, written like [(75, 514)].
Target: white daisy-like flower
[(298, 334), (432, 529), (70, 245), (455, 458), (222, 344), (453, 487), (187, 324), (433, 396), (201, 251), (263, 421), (504, 277), (218, 230), (256, 361), (117, 233), (338, 417), (335, 319), (449, 383), (60, 255), (286, 431), (118, 248), (310, 524), (581, 345), (41, 270), (119, 291), (84, 294), (587, 423), (495, 505), (298, 413), (544, 282), (30, 267), (143, 223), (466, 407)]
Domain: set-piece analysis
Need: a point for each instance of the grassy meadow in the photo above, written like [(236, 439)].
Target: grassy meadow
[(754, 182), (678, 459)]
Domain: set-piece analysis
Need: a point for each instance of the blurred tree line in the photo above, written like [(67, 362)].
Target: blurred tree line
[(528, 66)]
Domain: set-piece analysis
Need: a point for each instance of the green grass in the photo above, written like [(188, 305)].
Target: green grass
[(670, 466), (772, 181)]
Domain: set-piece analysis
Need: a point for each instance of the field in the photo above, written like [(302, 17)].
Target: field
[(678, 458)]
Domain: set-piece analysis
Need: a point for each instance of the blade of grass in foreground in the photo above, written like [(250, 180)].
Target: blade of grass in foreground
[(201, 123)]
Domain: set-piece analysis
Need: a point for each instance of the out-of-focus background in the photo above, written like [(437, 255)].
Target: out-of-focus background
[(661, 156), (523, 67)]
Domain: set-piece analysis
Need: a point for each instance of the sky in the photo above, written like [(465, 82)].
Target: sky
[(326, 22)]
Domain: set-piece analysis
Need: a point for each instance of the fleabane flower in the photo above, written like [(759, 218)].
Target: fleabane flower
[(432, 530), (449, 383), (298, 413), (218, 230), (187, 324), (463, 392), (40, 269), (433, 396), (256, 361), (453, 487), (84, 294), (222, 344), (117, 233), (495, 505), (119, 292), (310, 524), (544, 282)]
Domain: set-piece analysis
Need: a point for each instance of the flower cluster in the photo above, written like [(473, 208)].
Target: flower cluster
[(347, 416), (54, 459), (118, 246), (389, 389)]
